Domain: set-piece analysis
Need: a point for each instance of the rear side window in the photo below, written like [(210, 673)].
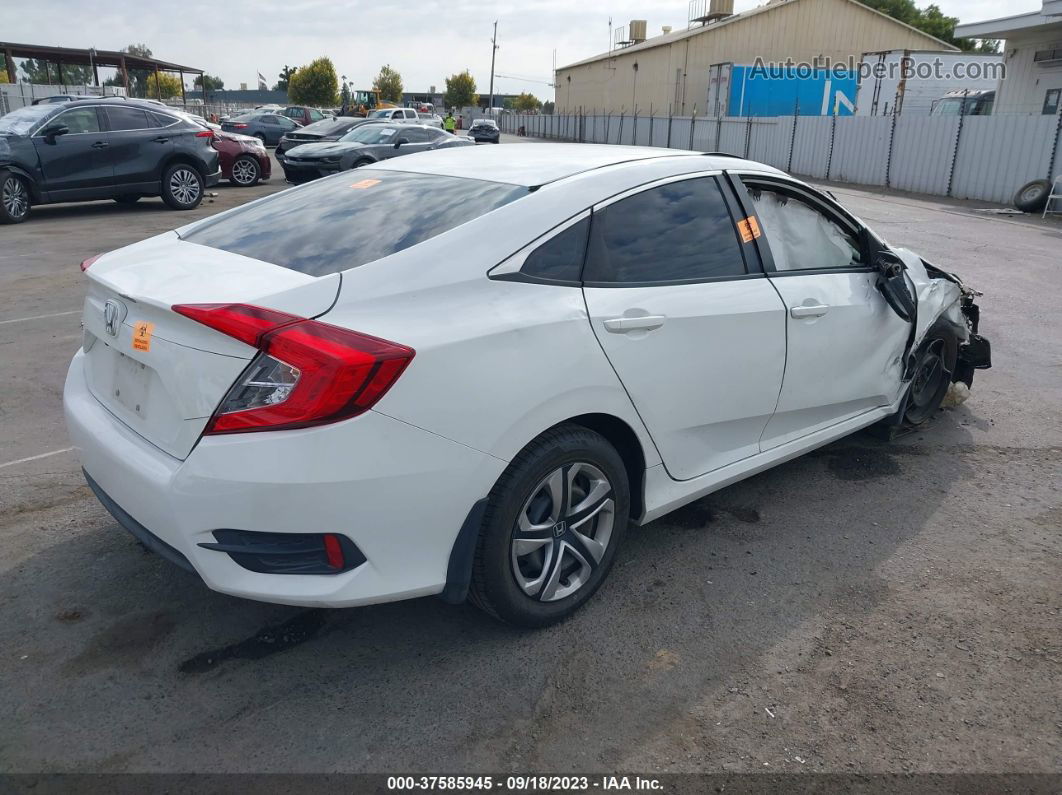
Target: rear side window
[(350, 219), (120, 118), (559, 259), (681, 231)]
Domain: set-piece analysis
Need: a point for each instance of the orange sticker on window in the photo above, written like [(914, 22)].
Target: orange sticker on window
[(142, 336), (365, 183), (749, 228)]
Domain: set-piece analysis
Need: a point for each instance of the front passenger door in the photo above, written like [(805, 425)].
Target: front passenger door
[(696, 337), (75, 165), (845, 351)]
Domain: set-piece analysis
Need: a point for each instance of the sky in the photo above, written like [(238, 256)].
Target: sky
[(425, 40)]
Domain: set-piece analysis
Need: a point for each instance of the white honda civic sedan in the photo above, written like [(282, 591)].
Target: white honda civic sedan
[(467, 373)]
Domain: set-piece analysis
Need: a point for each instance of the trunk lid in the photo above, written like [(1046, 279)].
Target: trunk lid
[(163, 374)]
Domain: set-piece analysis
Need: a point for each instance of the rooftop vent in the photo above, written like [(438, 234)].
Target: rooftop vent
[(665, 29), (637, 30)]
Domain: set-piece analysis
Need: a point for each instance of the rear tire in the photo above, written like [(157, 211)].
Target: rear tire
[(261, 138), (14, 198), (246, 171), (551, 528), (1032, 197), (360, 163), (182, 187)]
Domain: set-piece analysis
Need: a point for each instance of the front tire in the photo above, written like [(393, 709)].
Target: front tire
[(14, 198), (182, 187), (245, 171), (551, 528), (934, 364)]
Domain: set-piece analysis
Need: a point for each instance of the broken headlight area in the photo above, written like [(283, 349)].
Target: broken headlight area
[(976, 352)]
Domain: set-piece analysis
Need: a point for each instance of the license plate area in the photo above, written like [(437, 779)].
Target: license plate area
[(132, 384)]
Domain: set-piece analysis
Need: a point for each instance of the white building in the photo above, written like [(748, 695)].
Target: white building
[(1032, 53)]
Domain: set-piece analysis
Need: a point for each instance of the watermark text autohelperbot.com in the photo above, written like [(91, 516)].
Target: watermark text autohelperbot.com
[(904, 68)]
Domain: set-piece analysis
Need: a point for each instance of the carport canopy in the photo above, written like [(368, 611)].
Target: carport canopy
[(93, 58)]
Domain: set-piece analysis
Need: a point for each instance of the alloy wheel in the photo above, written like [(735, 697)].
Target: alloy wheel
[(244, 171), (929, 384), (15, 197), (562, 532), (184, 185)]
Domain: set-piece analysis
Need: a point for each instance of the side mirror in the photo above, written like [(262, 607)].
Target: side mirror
[(892, 284), (52, 131), (401, 141)]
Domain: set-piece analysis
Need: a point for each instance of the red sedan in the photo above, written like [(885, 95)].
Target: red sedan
[(244, 160)]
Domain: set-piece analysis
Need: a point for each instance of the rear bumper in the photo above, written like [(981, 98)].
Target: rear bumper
[(213, 179), (399, 493)]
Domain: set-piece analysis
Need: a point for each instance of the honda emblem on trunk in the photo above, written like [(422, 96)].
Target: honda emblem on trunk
[(112, 317)]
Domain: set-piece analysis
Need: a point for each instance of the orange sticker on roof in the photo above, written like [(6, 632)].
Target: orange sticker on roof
[(365, 183)]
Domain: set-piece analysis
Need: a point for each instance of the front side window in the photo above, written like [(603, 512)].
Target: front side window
[(800, 236), (678, 232), (335, 224), (80, 120)]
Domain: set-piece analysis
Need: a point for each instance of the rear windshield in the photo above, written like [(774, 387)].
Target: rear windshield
[(351, 218)]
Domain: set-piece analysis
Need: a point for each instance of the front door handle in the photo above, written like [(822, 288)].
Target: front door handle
[(814, 310), (621, 325), (100, 145)]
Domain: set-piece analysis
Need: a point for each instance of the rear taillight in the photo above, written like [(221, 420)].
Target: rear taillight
[(240, 125), (86, 264), (306, 372), (205, 134)]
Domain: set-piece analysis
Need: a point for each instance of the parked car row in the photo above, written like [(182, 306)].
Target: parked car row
[(120, 149), (366, 143)]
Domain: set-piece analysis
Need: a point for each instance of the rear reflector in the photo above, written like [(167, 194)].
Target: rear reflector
[(306, 373)]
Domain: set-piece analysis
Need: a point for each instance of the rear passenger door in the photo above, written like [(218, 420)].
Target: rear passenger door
[(696, 335), (138, 147)]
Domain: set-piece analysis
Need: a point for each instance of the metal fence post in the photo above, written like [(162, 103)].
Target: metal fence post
[(670, 119), (892, 139), (792, 139), (1054, 149), (719, 133), (651, 124), (958, 138), (634, 127), (619, 134), (693, 124), (833, 137), (748, 135)]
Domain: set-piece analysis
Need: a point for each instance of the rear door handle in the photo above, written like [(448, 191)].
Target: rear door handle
[(620, 325), (161, 139), (100, 145), (815, 310)]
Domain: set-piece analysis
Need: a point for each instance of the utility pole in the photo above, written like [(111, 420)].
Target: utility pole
[(493, 51)]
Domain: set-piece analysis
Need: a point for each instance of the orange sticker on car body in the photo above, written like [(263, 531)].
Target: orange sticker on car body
[(142, 331), (364, 184)]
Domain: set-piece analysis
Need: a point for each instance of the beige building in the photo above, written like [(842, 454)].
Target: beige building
[(674, 70)]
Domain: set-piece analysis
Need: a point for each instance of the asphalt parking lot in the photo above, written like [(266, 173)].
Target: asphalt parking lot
[(869, 607)]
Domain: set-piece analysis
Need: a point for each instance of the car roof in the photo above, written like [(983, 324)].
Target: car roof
[(533, 164)]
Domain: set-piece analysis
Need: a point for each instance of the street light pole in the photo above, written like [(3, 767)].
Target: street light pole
[(493, 50)]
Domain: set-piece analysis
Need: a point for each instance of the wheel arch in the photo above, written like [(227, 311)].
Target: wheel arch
[(180, 157), (31, 182), (621, 436)]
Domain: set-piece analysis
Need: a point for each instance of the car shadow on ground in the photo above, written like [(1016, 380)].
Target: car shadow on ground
[(188, 679)]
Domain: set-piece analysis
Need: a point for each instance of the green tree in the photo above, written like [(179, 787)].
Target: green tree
[(285, 77), (44, 72), (547, 108), (315, 84), (389, 84), (169, 85), (213, 82), (931, 20), (460, 91), (139, 50), (526, 102)]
